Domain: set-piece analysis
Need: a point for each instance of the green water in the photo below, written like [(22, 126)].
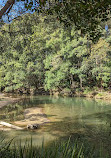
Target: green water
[(80, 118)]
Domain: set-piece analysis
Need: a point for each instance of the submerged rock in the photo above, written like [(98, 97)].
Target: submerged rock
[(33, 126), (33, 118)]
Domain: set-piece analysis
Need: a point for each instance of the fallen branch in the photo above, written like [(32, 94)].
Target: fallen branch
[(10, 125)]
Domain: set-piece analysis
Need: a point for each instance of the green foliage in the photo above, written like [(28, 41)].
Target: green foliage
[(84, 15), (41, 53), (66, 60), (22, 59), (87, 90)]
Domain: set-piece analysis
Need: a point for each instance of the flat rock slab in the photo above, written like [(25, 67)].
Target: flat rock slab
[(33, 116)]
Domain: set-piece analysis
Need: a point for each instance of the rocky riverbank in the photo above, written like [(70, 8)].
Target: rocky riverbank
[(105, 95)]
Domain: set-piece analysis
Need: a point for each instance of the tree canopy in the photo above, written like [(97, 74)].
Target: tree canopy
[(38, 52), (64, 47), (86, 15)]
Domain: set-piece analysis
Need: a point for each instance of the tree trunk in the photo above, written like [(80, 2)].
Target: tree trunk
[(80, 82), (7, 6)]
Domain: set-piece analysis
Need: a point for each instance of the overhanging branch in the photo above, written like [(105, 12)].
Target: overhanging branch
[(7, 6)]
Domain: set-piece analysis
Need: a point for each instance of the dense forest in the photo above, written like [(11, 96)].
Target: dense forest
[(40, 54)]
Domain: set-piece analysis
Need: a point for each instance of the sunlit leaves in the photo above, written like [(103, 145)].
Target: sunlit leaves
[(43, 53)]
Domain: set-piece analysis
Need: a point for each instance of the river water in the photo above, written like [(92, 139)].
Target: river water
[(80, 118)]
